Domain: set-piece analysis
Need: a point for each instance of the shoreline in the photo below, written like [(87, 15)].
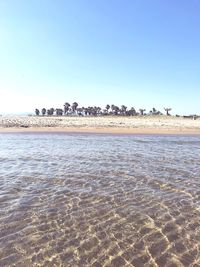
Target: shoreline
[(98, 130), (100, 125)]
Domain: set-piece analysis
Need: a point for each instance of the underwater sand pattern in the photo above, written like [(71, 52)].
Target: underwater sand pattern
[(99, 200)]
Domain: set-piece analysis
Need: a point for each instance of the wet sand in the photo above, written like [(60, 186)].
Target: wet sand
[(110, 125), (97, 130)]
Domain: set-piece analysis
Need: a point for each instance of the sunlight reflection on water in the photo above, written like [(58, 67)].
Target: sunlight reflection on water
[(99, 200)]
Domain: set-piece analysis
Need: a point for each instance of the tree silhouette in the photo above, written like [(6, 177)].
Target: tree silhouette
[(74, 106), (107, 107), (59, 112), (37, 112), (132, 112), (44, 111), (123, 110), (97, 111), (142, 111), (66, 107), (167, 111)]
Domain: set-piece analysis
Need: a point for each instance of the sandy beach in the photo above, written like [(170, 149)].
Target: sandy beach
[(124, 125)]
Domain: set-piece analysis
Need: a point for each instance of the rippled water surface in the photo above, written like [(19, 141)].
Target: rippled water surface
[(99, 200)]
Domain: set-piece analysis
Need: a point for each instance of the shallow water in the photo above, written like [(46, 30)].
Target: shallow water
[(99, 200)]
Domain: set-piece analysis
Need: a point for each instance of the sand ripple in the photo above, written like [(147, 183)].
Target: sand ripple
[(87, 200)]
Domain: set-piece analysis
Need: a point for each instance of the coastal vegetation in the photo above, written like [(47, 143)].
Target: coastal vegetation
[(74, 109)]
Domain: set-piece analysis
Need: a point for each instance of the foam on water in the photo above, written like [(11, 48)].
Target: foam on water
[(99, 200)]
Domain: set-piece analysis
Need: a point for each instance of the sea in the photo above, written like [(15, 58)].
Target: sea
[(72, 199)]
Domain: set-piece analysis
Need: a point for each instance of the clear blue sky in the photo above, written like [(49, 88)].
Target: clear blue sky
[(139, 53)]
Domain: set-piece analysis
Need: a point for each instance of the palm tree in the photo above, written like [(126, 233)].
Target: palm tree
[(89, 110), (154, 111), (98, 110), (80, 111), (123, 110), (142, 111), (74, 106), (83, 111), (44, 111), (86, 111), (95, 110), (59, 112), (51, 111), (132, 112), (115, 109), (107, 107), (167, 111), (66, 107), (37, 112)]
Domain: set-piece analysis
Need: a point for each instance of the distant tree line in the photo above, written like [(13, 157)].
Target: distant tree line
[(74, 109)]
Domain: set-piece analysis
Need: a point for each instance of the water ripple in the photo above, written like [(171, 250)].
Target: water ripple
[(99, 200)]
